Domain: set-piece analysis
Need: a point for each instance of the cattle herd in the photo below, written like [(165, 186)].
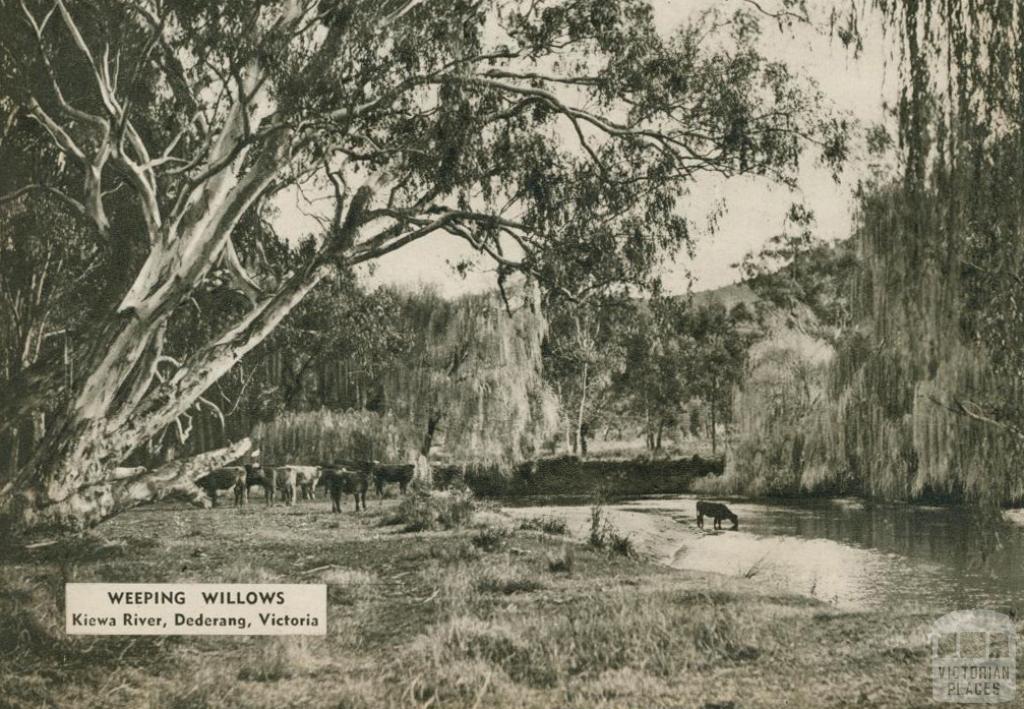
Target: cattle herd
[(289, 482)]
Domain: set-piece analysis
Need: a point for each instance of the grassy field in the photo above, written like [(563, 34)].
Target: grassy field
[(491, 614)]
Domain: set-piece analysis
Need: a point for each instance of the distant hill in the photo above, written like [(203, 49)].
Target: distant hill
[(729, 296)]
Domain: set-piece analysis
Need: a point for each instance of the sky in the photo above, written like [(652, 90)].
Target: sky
[(755, 209)]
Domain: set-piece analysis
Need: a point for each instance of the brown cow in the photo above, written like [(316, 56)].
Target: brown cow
[(258, 475), (383, 474), (222, 479), (716, 511), (341, 480)]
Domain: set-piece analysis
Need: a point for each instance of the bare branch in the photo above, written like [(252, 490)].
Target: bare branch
[(780, 15), (75, 205), (976, 413), (240, 277)]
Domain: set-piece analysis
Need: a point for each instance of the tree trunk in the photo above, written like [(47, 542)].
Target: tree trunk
[(115, 408), (121, 489), (120, 401), (714, 425), (579, 417), (428, 438), (13, 440), (657, 441)]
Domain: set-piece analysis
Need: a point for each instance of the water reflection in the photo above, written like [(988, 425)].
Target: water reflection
[(861, 555)]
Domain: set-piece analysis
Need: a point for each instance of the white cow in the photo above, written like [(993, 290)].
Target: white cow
[(290, 478)]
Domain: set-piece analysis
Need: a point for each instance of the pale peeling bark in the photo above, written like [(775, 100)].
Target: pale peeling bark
[(122, 489), (116, 408), (73, 479)]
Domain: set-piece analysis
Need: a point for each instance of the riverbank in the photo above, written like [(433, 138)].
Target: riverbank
[(492, 615), (570, 476)]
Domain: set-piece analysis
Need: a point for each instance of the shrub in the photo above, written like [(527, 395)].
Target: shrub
[(425, 510), (620, 544), (491, 538), (598, 527), (563, 562), (548, 525), (603, 535)]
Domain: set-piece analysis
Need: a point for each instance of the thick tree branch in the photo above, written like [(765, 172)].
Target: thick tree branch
[(119, 490)]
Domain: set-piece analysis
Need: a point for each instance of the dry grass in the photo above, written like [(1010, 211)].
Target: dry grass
[(546, 524), (277, 659), (491, 538), (428, 618)]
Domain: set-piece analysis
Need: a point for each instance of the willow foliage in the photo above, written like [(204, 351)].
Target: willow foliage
[(924, 393), (315, 437), (934, 399), (471, 366)]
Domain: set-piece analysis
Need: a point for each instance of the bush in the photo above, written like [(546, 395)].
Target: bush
[(598, 527), (424, 510), (603, 535), (621, 544), (491, 538), (548, 525), (563, 562)]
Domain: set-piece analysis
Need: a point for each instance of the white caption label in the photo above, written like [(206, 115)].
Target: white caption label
[(196, 609)]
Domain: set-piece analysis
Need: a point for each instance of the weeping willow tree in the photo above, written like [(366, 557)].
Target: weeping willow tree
[(928, 391), (924, 393), (315, 437), (468, 375), (780, 408), (471, 376)]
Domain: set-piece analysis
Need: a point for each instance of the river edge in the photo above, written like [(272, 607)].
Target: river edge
[(852, 571), (539, 620)]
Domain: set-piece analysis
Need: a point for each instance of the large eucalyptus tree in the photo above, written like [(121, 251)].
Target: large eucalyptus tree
[(528, 128)]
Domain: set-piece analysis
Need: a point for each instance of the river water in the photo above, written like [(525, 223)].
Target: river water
[(847, 552)]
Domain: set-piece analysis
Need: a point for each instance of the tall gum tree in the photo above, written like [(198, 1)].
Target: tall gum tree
[(527, 129)]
